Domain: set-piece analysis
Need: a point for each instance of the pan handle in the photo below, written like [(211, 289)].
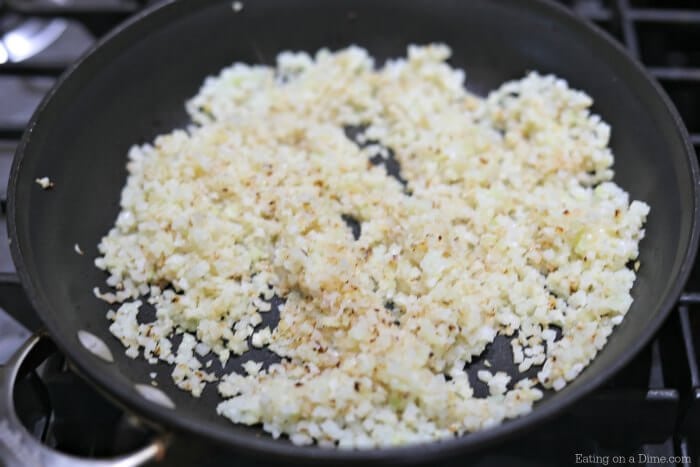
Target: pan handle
[(19, 448)]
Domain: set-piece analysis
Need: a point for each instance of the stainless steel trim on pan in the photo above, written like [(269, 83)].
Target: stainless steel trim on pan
[(19, 448)]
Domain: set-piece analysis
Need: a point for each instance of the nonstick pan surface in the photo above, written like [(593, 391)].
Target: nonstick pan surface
[(133, 86)]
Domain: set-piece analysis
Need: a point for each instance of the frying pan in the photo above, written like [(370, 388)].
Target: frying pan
[(133, 84)]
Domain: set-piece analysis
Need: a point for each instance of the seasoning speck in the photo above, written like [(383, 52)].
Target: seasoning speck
[(237, 6), (77, 249)]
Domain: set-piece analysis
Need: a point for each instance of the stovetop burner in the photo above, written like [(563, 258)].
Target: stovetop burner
[(649, 411)]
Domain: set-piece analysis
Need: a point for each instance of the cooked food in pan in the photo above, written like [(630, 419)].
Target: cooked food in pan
[(403, 222)]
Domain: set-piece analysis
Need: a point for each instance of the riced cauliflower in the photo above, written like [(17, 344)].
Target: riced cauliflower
[(502, 220)]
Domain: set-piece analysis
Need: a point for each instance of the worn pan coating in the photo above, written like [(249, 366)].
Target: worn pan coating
[(133, 85)]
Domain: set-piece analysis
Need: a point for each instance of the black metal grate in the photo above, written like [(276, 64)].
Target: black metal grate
[(652, 408), (665, 36)]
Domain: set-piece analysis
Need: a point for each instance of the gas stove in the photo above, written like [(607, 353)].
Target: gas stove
[(648, 414)]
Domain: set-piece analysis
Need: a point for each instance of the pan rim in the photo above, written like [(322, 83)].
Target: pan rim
[(126, 397)]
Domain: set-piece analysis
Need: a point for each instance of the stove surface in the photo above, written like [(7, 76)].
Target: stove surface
[(650, 410)]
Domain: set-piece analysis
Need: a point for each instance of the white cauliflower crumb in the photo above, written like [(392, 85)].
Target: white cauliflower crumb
[(45, 183), (498, 383), (261, 337), (252, 367)]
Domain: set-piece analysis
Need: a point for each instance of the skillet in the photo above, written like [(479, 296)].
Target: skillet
[(133, 84)]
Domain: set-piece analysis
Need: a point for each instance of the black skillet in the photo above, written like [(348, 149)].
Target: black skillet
[(133, 85)]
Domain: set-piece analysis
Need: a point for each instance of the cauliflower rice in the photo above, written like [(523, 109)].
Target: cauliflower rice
[(508, 224)]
